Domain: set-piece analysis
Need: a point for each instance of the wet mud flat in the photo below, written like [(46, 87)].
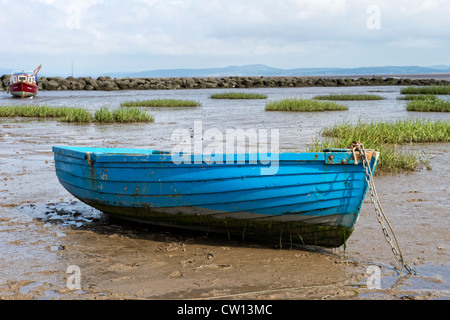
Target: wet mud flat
[(44, 231)]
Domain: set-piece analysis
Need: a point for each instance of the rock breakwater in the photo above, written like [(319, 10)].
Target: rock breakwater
[(110, 84)]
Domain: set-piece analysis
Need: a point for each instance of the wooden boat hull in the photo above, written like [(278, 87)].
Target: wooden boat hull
[(313, 199), (23, 89)]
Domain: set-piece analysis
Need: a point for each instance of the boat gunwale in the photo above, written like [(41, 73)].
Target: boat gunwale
[(119, 165), (151, 155)]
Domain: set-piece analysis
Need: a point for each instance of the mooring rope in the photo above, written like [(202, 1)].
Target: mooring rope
[(381, 215)]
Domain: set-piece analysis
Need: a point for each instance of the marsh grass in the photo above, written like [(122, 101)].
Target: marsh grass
[(348, 97), (160, 103), (103, 115), (428, 106), (418, 97), (43, 111), (304, 105), (128, 115), (390, 139), (77, 115), (426, 90), (238, 95)]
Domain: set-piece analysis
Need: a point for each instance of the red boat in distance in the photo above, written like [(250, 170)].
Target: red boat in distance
[(24, 84)]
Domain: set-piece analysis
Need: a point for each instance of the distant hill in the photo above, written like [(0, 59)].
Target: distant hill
[(263, 70)]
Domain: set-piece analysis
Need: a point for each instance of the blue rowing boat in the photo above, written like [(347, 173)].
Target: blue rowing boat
[(313, 198)]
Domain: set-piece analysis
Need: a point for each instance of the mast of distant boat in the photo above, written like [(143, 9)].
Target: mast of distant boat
[(35, 72)]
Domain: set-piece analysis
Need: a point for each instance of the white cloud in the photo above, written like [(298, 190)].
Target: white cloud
[(286, 33), (419, 7)]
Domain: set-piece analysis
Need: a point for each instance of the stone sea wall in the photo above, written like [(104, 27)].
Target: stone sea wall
[(110, 84)]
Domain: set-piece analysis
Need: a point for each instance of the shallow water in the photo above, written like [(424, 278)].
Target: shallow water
[(296, 129), (43, 229)]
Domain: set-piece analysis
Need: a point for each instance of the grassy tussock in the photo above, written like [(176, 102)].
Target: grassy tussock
[(348, 97), (426, 90), (44, 111), (238, 95), (304, 105), (77, 115), (428, 106), (128, 115), (389, 138), (161, 103)]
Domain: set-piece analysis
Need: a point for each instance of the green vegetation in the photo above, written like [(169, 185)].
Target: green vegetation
[(346, 97), (238, 95), (294, 104), (417, 97), (161, 103), (103, 115), (76, 115), (387, 138), (428, 106), (44, 111), (65, 114), (426, 90), (396, 132)]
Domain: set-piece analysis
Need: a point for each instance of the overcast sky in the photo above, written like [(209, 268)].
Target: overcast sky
[(133, 35)]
